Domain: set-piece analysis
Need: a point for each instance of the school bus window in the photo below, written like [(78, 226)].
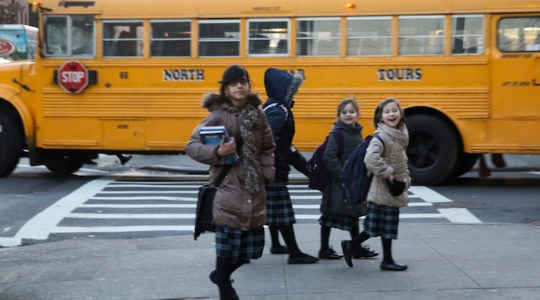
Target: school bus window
[(269, 37), (318, 37), (219, 38), (519, 34), (122, 38), (369, 36), (82, 36), (467, 34), (421, 35), (55, 35), (171, 38)]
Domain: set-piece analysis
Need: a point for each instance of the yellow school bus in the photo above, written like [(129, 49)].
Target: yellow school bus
[(126, 77)]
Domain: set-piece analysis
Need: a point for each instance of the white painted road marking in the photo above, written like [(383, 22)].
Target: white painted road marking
[(42, 224), (47, 222), (455, 215), (459, 216), (428, 194)]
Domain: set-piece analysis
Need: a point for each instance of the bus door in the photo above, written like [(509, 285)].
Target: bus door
[(515, 110)]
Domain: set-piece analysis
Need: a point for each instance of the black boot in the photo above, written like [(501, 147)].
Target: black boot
[(326, 252), (295, 256), (350, 247), (388, 263), (364, 252)]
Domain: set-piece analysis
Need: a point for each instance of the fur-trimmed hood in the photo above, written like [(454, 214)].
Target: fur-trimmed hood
[(214, 101), (282, 86)]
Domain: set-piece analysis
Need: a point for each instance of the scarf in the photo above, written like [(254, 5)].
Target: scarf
[(248, 116)]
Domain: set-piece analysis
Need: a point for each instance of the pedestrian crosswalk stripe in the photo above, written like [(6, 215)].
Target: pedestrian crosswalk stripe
[(401, 216), (122, 202), (147, 192), (304, 197), (171, 198), (428, 194), (138, 205), (459, 215), (105, 229), (129, 216)]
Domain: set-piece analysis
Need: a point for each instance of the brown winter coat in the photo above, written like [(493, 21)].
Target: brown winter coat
[(385, 160), (234, 206)]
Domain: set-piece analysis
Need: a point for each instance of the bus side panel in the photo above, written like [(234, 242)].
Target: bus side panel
[(515, 89), (132, 107), (459, 90)]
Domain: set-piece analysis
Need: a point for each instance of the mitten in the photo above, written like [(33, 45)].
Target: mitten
[(396, 187)]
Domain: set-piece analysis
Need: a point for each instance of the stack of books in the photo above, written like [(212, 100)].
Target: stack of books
[(212, 135)]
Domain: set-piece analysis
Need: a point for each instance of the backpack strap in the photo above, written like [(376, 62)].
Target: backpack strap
[(280, 105), (221, 176)]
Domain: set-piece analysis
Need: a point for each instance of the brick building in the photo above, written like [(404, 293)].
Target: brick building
[(15, 12)]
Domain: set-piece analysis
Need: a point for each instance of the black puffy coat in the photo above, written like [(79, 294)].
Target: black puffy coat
[(334, 163)]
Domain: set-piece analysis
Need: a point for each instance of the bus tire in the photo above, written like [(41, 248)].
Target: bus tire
[(63, 164), (11, 143), (432, 151), (464, 164)]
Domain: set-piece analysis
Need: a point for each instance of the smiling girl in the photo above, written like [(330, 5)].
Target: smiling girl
[(388, 190), (335, 213)]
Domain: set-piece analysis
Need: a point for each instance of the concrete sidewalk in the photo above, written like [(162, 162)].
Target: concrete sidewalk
[(446, 261)]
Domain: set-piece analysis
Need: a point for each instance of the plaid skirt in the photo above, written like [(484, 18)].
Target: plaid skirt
[(279, 210), (238, 244), (382, 221), (343, 223)]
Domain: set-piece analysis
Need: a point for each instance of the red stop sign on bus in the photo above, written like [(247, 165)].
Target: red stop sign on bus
[(73, 77)]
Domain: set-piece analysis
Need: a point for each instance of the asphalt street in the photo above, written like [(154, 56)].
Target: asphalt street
[(446, 261)]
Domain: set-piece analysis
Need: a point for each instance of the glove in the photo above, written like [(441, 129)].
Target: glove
[(396, 187)]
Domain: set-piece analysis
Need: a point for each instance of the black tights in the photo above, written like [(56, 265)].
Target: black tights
[(287, 231), (387, 251), (359, 239), (274, 235), (224, 269), (386, 245), (325, 235)]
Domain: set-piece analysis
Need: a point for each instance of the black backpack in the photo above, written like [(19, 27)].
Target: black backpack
[(354, 174), (318, 175)]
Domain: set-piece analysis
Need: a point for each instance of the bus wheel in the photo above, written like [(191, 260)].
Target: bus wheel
[(11, 144), (63, 164), (432, 151), (464, 164)]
